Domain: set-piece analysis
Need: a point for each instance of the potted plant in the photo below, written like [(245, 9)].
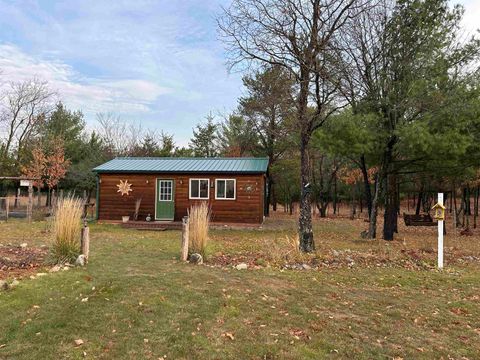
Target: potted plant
[(125, 219)]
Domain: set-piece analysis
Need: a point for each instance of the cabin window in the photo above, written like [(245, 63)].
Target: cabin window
[(199, 188), (225, 189)]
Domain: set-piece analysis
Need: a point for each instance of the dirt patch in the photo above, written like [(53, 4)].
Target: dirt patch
[(17, 261)]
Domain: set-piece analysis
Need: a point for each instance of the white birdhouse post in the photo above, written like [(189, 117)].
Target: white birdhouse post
[(439, 209)]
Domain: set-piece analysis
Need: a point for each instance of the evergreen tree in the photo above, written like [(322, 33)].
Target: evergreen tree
[(269, 108), (236, 136), (405, 63), (204, 140)]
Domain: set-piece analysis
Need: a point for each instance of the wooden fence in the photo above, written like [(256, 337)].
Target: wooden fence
[(24, 203)]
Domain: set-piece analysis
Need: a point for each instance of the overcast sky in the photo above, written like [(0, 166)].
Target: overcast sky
[(156, 62)]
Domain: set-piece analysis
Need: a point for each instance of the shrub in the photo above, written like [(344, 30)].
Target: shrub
[(199, 220), (66, 230)]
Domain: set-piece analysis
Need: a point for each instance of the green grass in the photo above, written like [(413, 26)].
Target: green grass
[(137, 289)]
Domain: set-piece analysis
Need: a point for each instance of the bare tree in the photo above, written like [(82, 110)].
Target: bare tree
[(120, 136), (24, 107), (302, 37)]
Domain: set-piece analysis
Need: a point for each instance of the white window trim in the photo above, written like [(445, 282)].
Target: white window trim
[(159, 191), (190, 189), (234, 189)]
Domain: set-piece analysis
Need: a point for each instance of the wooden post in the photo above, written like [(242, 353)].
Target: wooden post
[(85, 241), (184, 253), (30, 202)]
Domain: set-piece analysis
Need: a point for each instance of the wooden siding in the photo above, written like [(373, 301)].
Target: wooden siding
[(246, 208)]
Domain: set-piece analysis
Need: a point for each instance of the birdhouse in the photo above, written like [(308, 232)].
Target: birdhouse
[(439, 211)]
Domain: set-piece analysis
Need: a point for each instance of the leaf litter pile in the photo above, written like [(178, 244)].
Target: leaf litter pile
[(409, 259), (339, 246), (18, 261)]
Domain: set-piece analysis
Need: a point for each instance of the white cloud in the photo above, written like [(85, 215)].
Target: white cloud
[(89, 94)]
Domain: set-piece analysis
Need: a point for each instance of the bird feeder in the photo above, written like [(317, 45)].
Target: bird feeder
[(439, 211)]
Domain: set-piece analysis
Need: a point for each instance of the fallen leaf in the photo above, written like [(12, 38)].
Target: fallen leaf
[(78, 342), (229, 335)]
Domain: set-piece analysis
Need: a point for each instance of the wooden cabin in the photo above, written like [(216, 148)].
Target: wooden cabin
[(235, 188)]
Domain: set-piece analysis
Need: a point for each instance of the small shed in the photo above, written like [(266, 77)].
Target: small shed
[(165, 188)]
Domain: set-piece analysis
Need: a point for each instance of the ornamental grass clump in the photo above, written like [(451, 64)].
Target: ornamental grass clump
[(199, 220), (66, 229)]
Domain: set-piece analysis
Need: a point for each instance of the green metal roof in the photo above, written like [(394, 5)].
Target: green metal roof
[(244, 165)]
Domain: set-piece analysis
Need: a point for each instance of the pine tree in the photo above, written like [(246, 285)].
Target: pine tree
[(204, 140)]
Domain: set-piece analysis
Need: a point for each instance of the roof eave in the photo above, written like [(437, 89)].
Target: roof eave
[(98, 171)]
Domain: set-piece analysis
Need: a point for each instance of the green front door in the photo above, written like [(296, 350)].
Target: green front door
[(165, 208)]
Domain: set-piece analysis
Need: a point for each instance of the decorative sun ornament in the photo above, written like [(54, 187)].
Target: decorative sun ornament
[(124, 187)]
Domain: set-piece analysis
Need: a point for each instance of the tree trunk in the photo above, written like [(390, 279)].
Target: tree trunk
[(335, 195), (390, 180), (269, 196), (419, 200), (467, 210), (305, 230), (322, 209), (397, 205), (353, 204), (47, 200), (274, 198), (451, 201), (457, 212), (390, 214), (372, 227), (475, 206), (468, 201), (366, 182)]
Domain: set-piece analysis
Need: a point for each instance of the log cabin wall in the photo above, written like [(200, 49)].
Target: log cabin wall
[(248, 207)]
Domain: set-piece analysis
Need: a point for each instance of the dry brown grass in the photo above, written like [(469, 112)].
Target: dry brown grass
[(199, 221), (283, 250), (66, 228)]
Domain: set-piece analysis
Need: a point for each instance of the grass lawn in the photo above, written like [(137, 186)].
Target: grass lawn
[(136, 300)]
